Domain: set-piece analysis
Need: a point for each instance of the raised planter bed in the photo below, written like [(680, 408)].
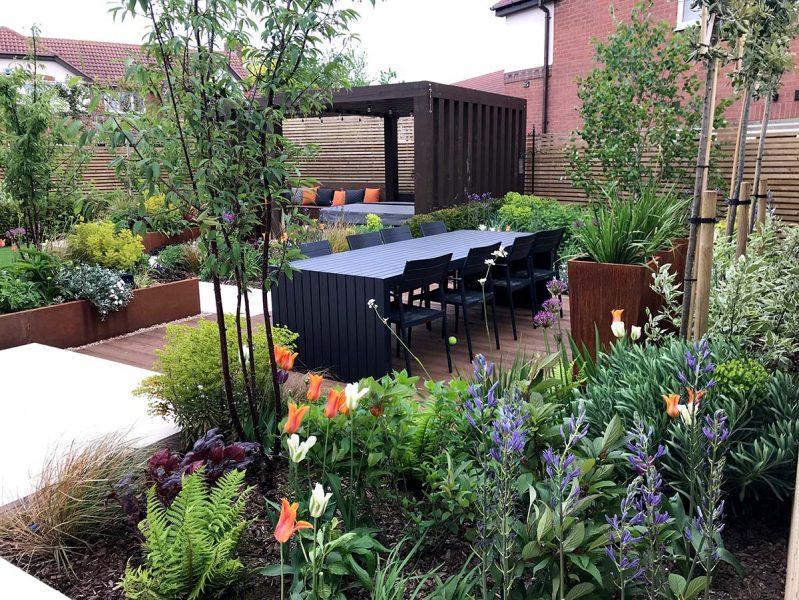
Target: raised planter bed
[(154, 240), (77, 323), (595, 289)]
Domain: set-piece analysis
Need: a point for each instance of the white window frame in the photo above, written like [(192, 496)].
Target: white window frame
[(680, 11)]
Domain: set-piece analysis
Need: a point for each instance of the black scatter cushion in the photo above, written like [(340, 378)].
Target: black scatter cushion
[(324, 197), (354, 196)]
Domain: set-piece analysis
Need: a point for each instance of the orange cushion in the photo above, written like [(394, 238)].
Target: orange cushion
[(339, 197), (308, 196), (371, 195)]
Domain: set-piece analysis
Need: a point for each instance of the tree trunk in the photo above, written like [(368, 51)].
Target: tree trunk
[(738, 173), (700, 182), (761, 151)]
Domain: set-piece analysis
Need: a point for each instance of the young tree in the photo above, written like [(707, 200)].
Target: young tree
[(41, 145), (211, 138), (640, 108)]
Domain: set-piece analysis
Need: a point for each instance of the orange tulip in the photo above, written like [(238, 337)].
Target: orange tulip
[(334, 404), (694, 396), (287, 524), (314, 387), (284, 358), (296, 415), (672, 401), (617, 314)]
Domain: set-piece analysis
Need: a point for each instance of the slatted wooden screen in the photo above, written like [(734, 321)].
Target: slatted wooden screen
[(351, 149), (545, 174)]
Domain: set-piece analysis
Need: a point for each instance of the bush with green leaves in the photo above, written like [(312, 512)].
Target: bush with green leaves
[(188, 386), (99, 242), (103, 288), (176, 262), (740, 376), (629, 231), (10, 211), (190, 547), (754, 298), (17, 294), (631, 380), (531, 213), (463, 216)]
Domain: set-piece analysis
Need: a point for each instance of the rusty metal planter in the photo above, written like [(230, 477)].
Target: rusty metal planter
[(153, 240), (77, 323), (597, 288)]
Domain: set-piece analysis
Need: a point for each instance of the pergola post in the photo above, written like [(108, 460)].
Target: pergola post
[(424, 175), (391, 144)]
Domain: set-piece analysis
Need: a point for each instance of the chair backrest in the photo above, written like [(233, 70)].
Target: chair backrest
[(314, 249), (396, 234), (522, 248), (475, 263), (433, 228), (547, 244), (424, 272), (364, 240)]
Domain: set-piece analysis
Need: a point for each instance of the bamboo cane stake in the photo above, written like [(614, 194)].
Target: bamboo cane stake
[(792, 576), (745, 192), (704, 263), (761, 151), (762, 193), (739, 156), (707, 26)]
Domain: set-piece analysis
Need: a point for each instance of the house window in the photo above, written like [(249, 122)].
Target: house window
[(687, 15), (124, 102)]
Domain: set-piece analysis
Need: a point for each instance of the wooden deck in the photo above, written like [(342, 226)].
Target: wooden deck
[(138, 349)]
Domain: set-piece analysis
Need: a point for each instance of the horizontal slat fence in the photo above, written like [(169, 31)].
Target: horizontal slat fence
[(352, 149), (547, 167)]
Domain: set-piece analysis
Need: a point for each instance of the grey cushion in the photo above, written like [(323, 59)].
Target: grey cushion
[(296, 195), (324, 197), (354, 196)]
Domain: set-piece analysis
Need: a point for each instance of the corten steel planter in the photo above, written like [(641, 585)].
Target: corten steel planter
[(595, 289), (153, 240), (77, 323)]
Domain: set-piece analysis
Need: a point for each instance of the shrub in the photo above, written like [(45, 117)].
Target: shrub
[(531, 213), (631, 379), (188, 387), (103, 288), (740, 376), (17, 294), (10, 211), (177, 261), (628, 231), (464, 216), (190, 547), (98, 242), (754, 299), (69, 510)]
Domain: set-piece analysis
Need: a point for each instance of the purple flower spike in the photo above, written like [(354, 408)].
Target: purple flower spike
[(544, 319)]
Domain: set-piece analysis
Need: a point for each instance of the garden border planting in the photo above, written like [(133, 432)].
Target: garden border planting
[(77, 323), (153, 240)]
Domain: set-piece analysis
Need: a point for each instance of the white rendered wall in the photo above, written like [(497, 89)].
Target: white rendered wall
[(47, 68), (524, 39)]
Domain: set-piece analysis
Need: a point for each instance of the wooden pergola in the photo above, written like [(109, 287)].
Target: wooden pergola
[(465, 141)]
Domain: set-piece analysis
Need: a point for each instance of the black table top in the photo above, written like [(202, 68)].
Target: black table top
[(388, 260)]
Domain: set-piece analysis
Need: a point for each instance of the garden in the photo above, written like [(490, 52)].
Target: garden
[(650, 452)]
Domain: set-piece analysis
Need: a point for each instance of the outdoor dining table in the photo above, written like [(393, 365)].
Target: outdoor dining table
[(326, 300)]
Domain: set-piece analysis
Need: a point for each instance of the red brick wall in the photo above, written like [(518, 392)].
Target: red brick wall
[(577, 22)]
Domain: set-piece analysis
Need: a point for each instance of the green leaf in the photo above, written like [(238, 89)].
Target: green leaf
[(613, 432), (574, 538), (274, 570), (580, 590), (544, 524), (676, 583), (695, 586)]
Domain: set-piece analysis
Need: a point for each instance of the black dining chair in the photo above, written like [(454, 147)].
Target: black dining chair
[(468, 292), (364, 240), (433, 228), (424, 274), (396, 234), (314, 249), (544, 260), (518, 260)]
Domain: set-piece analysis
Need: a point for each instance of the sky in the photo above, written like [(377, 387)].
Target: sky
[(439, 40)]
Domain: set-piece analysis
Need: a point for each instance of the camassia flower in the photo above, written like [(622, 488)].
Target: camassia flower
[(335, 401), (285, 358), (617, 326), (672, 405), (287, 524), (296, 415), (314, 387)]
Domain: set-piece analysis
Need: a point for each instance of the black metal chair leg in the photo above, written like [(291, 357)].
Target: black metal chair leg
[(457, 316), (399, 337), (494, 319), (560, 299), (512, 312), (446, 341), (533, 300), (407, 354), (468, 333)]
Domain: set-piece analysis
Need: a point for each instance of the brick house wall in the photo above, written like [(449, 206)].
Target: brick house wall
[(576, 23)]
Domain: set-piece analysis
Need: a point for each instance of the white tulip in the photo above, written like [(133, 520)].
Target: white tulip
[(353, 395), (635, 333), (318, 502), (297, 450), (618, 329), (686, 413)]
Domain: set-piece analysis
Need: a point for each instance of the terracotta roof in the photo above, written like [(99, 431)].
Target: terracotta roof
[(490, 82), (101, 62)]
